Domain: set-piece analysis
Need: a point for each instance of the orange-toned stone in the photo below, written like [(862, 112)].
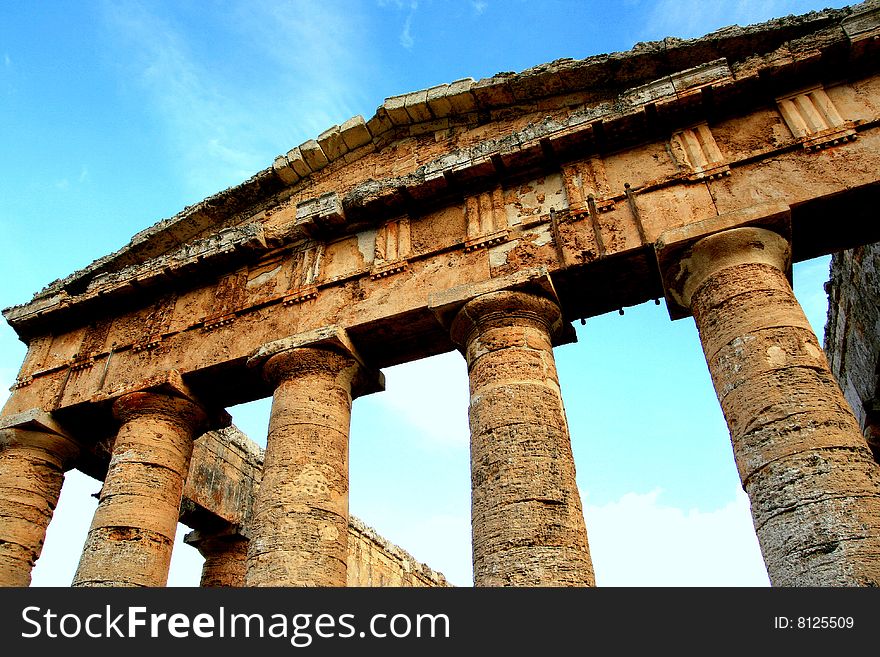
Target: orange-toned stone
[(225, 556), (813, 484), (528, 524), (31, 474), (132, 533), (299, 534)]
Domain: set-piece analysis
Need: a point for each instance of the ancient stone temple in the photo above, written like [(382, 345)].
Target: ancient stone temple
[(484, 216)]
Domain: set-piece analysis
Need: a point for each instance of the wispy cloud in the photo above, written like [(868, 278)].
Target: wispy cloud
[(409, 6), (64, 184), (222, 121), (406, 39), (479, 6), (7, 60)]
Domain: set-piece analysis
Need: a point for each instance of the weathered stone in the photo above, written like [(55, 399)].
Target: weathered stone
[(573, 169), (284, 171), (354, 133), (460, 97), (313, 155), (416, 105), (297, 162), (852, 334), (395, 108), (528, 524), (132, 534), (225, 554), (224, 477), (813, 485), (299, 534), (32, 465), (332, 143)]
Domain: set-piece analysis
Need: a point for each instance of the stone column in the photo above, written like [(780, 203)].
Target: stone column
[(132, 533), (299, 529), (813, 484), (225, 554), (32, 465), (528, 524)]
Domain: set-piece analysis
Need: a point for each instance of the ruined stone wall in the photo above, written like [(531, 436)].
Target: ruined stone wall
[(224, 477), (374, 561), (852, 334)]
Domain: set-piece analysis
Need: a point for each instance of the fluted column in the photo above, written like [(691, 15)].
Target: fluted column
[(132, 533), (225, 554), (527, 519), (32, 465), (813, 484), (299, 530)]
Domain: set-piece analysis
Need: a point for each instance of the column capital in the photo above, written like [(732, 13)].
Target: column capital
[(688, 255), (145, 397), (180, 410), (206, 539), (37, 429), (535, 282), (505, 308), (328, 350), (729, 248)]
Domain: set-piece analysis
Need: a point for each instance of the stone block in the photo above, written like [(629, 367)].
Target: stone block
[(380, 124), (284, 171), (416, 105), (438, 102), (395, 107), (297, 162), (355, 133), (492, 92), (332, 144), (314, 155)]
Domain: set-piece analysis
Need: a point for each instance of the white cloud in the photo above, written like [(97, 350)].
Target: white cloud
[(422, 393), (184, 95), (406, 38), (638, 541), (479, 6), (7, 60)]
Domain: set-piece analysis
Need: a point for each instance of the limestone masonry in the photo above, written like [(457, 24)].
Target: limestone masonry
[(483, 216), (852, 335)]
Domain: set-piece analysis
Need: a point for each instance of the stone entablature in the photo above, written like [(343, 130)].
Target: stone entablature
[(543, 113)]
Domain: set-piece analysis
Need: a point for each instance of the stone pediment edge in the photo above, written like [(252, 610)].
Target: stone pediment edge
[(633, 75)]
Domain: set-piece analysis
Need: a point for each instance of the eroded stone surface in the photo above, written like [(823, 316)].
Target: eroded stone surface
[(814, 486), (132, 534), (300, 524), (528, 524), (852, 334), (32, 465)]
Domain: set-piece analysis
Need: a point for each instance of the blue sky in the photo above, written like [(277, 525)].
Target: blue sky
[(114, 115)]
